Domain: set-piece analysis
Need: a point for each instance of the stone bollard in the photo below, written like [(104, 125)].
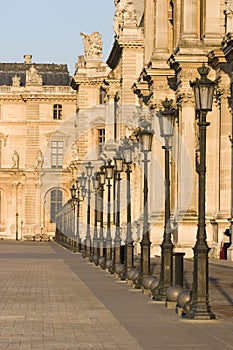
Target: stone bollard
[(172, 296), (183, 298)]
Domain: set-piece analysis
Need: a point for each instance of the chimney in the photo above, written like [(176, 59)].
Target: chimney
[(27, 59)]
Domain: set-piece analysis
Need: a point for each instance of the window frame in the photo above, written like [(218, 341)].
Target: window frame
[(57, 111), (57, 152)]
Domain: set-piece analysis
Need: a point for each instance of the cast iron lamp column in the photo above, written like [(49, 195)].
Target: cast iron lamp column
[(199, 307), (82, 182), (95, 183), (127, 157), (75, 195), (117, 241), (74, 206), (230, 101), (89, 169), (101, 179), (109, 175), (166, 122), (145, 135)]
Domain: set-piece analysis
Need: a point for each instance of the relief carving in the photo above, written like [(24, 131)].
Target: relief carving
[(16, 80), (33, 77)]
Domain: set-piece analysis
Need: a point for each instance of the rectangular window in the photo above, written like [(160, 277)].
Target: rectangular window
[(102, 96), (57, 111), (101, 140), (56, 154), (56, 203)]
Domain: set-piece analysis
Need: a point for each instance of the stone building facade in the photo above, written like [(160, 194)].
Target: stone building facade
[(35, 101), (157, 49), (158, 46)]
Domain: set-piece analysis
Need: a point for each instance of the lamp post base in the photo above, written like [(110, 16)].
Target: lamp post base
[(199, 308), (200, 311), (166, 273)]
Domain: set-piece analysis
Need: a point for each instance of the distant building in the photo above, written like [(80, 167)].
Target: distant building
[(35, 101)]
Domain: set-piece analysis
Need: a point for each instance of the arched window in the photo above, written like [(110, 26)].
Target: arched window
[(57, 111), (55, 203)]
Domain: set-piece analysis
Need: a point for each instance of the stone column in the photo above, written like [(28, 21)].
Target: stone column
[(110, 117), (161, 43), (189, 29), (149, 28), (225, 157), (212, 31), (187, 191)]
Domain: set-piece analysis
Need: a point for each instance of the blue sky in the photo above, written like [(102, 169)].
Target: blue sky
[(49, 30)]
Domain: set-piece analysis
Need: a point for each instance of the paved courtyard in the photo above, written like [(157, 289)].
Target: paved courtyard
[(51, 298)]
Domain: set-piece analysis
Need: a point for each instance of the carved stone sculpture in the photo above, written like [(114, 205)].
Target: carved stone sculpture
[(15, 159), (124, 15), (33, 77), (92, 45), (16, 80)]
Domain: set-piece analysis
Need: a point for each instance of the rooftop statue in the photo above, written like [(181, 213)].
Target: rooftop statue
[(92, 45)]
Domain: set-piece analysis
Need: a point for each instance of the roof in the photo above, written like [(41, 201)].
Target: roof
[(52, 74)]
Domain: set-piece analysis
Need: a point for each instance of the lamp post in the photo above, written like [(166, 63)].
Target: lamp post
[(166, 123), (74, 207), (199, 307), (117, 241), (82, 185), (75, 196), (101, 179), (89, 169), (109, 175), (145, 135), (230, 249), (127, 157), (95, 183)]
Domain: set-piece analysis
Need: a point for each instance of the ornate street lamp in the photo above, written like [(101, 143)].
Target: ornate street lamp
[(95, 183), (145, 136), (74, 218), (102, 179), (126, 150), (199, 307), (89, 169), (109, 175), (117, 241), (166, 123), (75, 196)]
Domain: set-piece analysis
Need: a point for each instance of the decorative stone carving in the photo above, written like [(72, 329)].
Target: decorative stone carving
[(16, 80), (81, 62), (39, 159), (124, 15), (229, 16), (92, 45), (33, 77), (15, 159), (74, 149)]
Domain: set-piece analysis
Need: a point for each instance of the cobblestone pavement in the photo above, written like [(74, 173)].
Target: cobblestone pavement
[(51, 298)]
